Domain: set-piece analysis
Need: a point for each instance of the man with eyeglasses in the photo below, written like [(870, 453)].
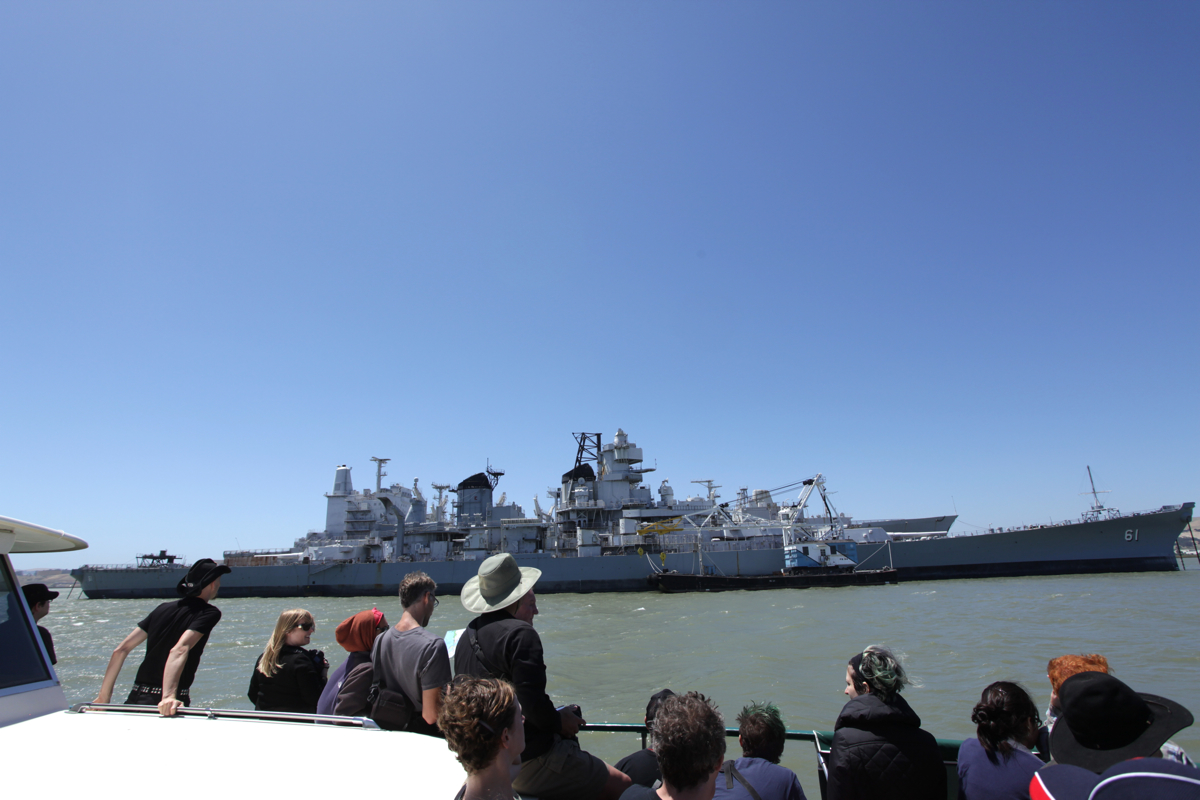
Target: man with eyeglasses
[(175, 634), (411, 660)]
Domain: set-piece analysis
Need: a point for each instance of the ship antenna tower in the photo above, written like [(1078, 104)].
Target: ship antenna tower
[(441, 498), (712, 489), (589, 448), (379, 473), (493, 474)]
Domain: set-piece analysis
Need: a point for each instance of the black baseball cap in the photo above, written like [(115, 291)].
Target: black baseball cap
[(37, 593)]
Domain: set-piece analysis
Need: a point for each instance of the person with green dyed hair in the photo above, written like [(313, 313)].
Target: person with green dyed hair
[(757, 774), (879, 750)]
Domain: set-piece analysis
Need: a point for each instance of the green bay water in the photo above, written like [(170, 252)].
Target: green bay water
[(610, 652)]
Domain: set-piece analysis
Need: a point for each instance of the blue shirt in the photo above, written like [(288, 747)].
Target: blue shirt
[(1006, 779), (771, 781)]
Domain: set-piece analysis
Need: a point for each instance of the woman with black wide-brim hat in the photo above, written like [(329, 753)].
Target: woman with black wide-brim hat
[(175, 634)]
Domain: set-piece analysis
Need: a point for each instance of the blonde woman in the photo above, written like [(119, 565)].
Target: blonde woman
[(286, 676)]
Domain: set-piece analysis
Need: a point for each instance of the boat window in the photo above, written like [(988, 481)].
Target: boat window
[(22, 662)]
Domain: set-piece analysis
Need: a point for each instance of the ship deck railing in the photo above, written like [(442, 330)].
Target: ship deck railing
[(227, 713), (821, 741), (1110, 515), (131, 567), (269, 552)]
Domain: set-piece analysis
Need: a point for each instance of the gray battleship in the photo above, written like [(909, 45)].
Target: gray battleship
[(606, 531)]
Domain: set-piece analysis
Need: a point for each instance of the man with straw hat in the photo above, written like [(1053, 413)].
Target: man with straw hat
[(502, 643)]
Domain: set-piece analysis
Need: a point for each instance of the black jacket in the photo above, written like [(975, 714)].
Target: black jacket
[(295, 686), (512, 650), (880, 752)]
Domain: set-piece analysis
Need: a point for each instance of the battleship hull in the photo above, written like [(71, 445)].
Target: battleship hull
[(1132, 543)]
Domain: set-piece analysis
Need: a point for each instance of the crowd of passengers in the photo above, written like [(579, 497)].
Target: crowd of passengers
[(1099, 739)]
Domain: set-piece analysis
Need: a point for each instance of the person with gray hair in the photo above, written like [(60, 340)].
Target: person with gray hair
[(879, 750)]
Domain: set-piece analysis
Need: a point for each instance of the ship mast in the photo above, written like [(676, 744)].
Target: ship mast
[(379, 473), (1097, 511), (1097, 506), (440, 508)]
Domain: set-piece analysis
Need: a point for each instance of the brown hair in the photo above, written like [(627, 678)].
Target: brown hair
[(1063, 667), (269, 664), (689, 736), (414, 586), (474, 713), (761, 729), (1003, 712)]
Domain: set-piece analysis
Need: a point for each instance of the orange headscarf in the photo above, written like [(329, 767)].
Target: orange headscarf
[(357, 634)]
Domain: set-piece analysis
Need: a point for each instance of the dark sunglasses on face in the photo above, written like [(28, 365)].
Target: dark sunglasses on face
[(307, 626), (435, 602)]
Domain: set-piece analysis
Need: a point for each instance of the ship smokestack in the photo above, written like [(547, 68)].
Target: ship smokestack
[(341, 481)]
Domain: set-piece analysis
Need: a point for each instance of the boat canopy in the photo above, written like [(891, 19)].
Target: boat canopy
[(25, 537)]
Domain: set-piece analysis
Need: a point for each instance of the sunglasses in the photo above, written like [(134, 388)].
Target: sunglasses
[(307, 626), (435, 602)]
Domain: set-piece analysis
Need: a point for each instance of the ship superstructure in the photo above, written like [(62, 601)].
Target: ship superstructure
[(606, 530)]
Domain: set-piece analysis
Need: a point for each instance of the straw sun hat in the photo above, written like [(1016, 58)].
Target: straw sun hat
[(499, 584)]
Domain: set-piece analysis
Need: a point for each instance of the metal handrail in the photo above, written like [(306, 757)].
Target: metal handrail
[(229, 713), (622, 727)]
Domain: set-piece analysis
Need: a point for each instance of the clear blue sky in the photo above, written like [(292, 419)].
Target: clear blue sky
[(945, 253)]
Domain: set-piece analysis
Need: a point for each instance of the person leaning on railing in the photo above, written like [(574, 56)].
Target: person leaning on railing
[(175, 634)]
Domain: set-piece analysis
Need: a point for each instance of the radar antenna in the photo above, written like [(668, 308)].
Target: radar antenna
[(379, 473), (712, 489), (493, 474), (440, 508)]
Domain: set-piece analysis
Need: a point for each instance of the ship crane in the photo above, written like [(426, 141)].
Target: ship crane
[(836, 528)]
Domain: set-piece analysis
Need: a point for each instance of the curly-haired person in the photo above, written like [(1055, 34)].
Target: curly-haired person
[(761, 734), (690, 745), (482, 722), (879, 750)]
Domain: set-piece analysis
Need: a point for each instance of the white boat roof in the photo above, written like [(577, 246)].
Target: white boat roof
[(25, 537), (136, 755)]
